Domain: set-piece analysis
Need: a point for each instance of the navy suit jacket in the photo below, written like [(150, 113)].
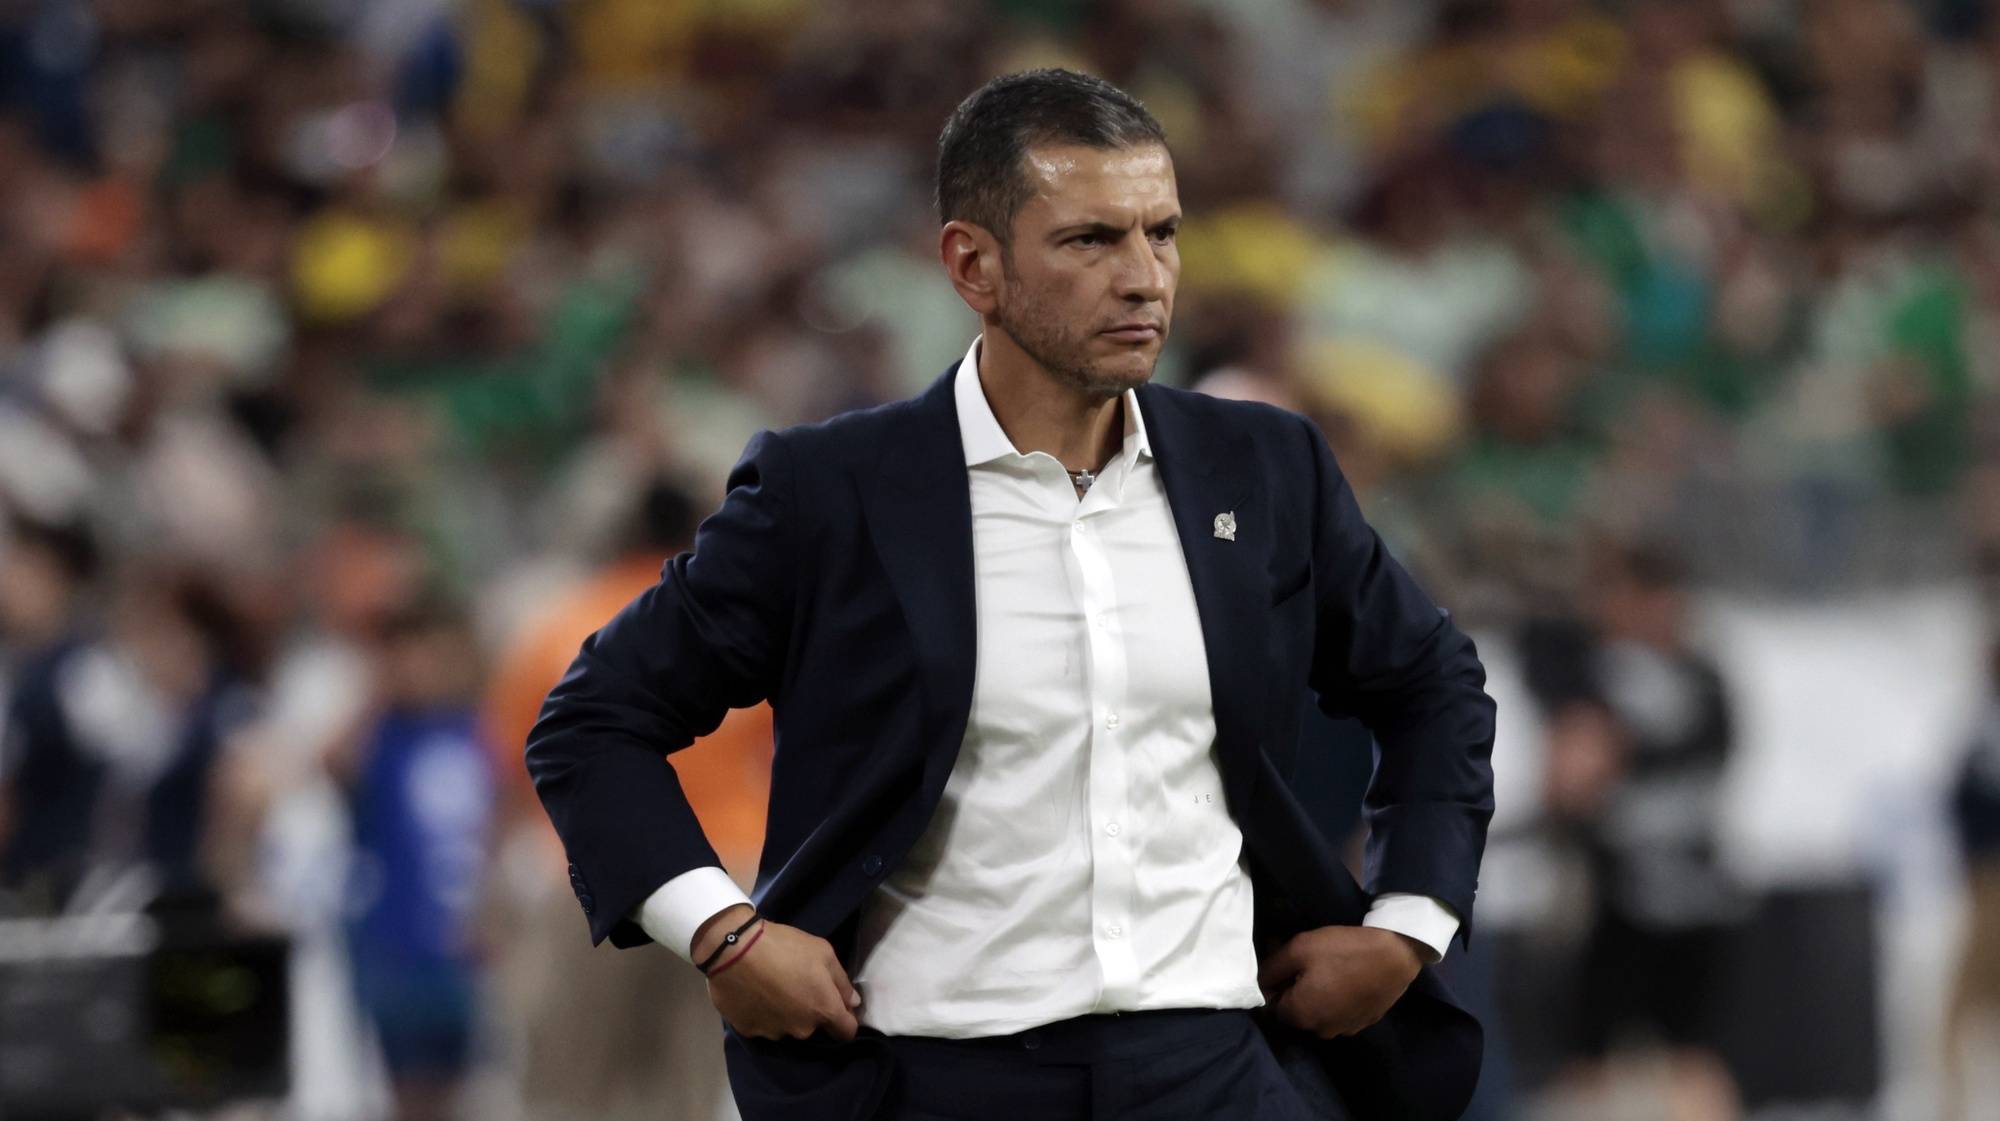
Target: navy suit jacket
[(836, 581)]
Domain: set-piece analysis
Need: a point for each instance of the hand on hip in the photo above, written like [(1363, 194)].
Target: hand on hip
[(787, 984), (1337, 980)]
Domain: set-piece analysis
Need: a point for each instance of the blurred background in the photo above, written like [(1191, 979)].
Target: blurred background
[(359, 357)]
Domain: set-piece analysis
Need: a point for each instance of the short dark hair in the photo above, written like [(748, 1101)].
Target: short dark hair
[(980, 178), (71, 544), (1649, 561), (662, 521)]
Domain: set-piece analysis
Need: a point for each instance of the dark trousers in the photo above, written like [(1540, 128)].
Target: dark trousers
[(1194, 1065)]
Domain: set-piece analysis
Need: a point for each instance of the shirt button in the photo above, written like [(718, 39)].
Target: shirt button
[(872, 866), (1111, 721), (1103, 622), (1114, 931), (1111, 829), (1076, 526)]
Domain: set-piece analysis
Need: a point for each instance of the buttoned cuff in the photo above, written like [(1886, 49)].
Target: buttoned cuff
[(1415, 916), (672, 914)]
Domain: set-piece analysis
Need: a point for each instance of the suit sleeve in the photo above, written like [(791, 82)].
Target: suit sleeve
[(710, 636), (1385, 654)]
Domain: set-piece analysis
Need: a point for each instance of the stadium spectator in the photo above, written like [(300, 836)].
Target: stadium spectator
[(421, 786), (1975, 993)]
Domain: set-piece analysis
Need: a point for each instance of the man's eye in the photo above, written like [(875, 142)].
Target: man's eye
[(1165, 233), (1087, 240)]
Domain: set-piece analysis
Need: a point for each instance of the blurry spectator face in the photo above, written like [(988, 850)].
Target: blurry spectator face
[(360, 573), (43, 568), (1585, 755), (151, 626), (1523, 397), (1087, 277), (1412, 205), (1650, 614), (1640, 607), (34, 593), (431, 664)]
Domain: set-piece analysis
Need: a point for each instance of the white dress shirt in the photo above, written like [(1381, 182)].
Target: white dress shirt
[(1082, 859)]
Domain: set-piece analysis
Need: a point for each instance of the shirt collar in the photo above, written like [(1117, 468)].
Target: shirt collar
[(985, 441)]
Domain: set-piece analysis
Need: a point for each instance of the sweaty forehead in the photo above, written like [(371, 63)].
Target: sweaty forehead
[(1072, 182)]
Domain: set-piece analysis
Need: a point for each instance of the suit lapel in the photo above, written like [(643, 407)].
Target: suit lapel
[(919, 511), (1206, 475)]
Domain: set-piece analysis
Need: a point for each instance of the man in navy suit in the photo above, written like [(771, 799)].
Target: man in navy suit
[(1034, 641)]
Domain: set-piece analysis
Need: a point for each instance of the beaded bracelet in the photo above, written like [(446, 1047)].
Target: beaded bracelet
[(728, 940)]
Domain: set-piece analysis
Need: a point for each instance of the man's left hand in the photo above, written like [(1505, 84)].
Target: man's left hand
[(1337, 980)]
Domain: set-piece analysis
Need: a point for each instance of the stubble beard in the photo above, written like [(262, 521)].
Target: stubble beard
[(1035, 329)]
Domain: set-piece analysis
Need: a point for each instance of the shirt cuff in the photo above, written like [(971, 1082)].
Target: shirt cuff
[(1415, 916), (672, 914)]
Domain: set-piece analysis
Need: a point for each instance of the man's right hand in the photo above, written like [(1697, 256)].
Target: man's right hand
[(790, 984)]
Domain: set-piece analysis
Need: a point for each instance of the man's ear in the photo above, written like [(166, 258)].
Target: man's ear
[(971, 257)]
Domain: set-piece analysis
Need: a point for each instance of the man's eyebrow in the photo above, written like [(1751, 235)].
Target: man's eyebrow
[(1096, 226), (1090, 226)]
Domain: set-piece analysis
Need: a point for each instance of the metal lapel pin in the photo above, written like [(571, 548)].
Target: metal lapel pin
[(1225, 525)]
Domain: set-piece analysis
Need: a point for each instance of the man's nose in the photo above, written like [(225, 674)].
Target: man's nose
[(1142, 276)]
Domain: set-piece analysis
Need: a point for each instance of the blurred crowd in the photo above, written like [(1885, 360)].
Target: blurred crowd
[(358, 357)]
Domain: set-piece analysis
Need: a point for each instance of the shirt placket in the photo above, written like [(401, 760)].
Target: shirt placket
[(1111, 876)]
